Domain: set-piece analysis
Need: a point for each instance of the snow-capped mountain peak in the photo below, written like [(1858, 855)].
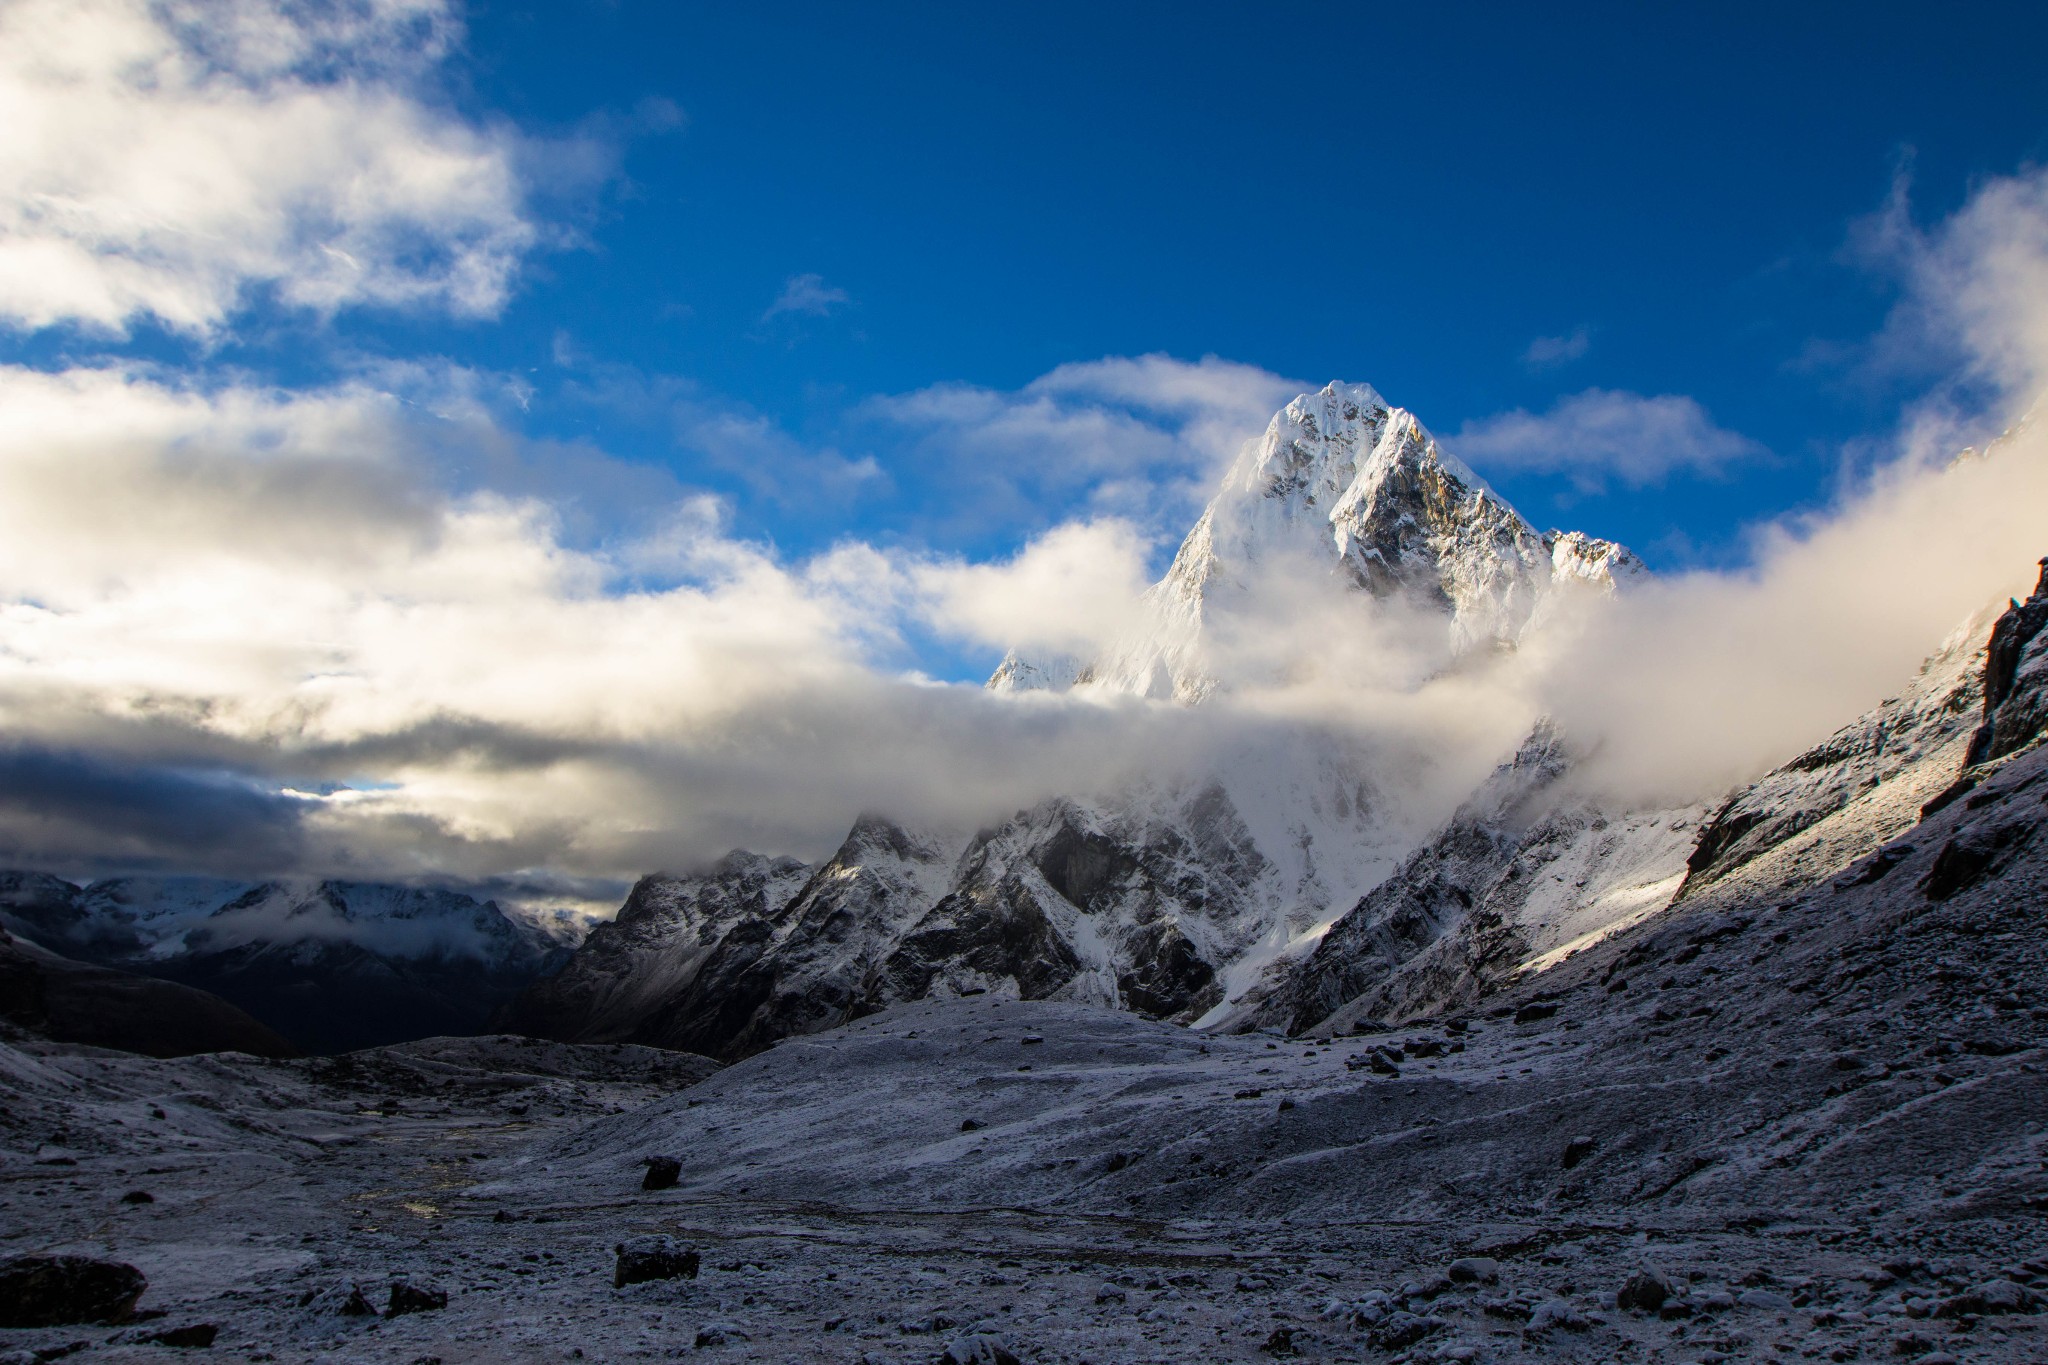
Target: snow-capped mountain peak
[(1342, 484)]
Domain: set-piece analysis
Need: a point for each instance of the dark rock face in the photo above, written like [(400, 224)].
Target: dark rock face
[(74, 1002), (48, 1291), (662, 1173), (2015, 679)]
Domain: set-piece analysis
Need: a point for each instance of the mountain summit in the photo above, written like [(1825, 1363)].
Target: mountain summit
[(1343, 485)]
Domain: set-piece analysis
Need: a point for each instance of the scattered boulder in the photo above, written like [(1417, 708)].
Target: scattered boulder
[(971, 1125), (1992, 1297), (653, 1258), (1534, 1010), (46, 1291), (1645, 1292), (408, 1297), (138, 1197), (1402, 1329), (1474, 1270), (1578, 1149), (662, 1173), (1110, 1293), (1769, 1300), (719, 1334)]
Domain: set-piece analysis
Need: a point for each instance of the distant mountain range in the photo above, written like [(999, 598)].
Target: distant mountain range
[(329, 965)]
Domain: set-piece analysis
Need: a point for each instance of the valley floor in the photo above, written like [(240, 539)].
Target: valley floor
[(843, 1215)]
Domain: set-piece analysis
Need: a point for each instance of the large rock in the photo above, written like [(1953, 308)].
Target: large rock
[(48, 1291)]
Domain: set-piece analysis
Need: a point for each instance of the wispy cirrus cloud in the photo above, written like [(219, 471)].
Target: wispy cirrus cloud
[(1551, 352), (806, 296), (1604, 436)]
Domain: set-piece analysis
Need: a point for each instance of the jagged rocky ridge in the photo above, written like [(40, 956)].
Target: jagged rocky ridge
[(329, 965)]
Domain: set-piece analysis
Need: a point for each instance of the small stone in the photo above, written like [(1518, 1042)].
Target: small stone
[(1769, 1300), (1110, 1293), (408, 1297), (138, 1197), (979, 1349), (1537, 1009), (1553, 1313), (46, 1291), (1280, 1342), (1474, 1270), (199, 1334), (719, 1334), (662, 1173), (971, 1125), (653, 1258), (1578, 1149)]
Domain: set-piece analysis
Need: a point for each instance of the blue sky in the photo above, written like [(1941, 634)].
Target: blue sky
[(414, 411), (1411, 196)]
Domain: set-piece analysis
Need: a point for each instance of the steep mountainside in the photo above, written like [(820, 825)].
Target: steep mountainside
[(330, 965), (1342, 485), (1526, 872)]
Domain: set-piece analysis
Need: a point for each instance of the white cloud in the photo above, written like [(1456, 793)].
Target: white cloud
[(807, 296), (1601, 435), (1071, 591), (163, 160), (1140, 438), (1545, 353)]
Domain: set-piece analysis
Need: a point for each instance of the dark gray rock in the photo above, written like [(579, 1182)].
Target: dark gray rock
[(408, 1296), (641, 1259), (662, 1173), (47, 1291)]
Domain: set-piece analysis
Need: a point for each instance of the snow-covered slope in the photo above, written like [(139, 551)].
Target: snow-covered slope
[(1526, 872), (1342, 485)]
